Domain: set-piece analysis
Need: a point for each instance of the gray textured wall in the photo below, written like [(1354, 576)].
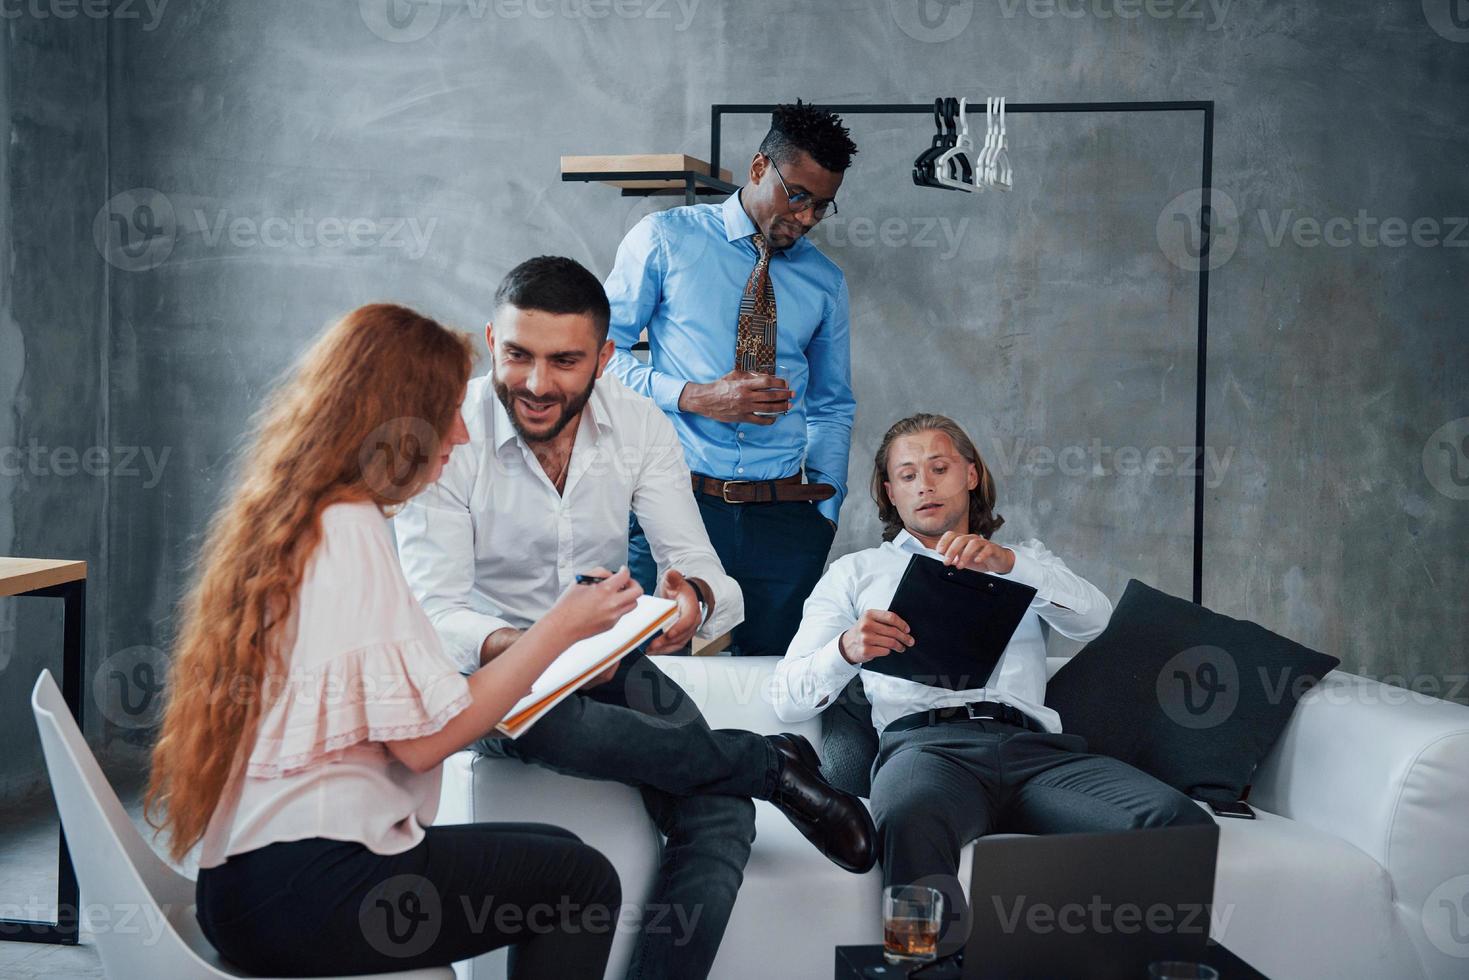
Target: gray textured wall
[(53, 352), (1051, 320)]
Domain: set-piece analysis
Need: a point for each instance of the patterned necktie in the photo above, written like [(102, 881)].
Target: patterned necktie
[(755, 334)]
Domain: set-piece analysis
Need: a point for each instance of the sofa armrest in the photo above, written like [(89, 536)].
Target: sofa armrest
[(1387, 770)]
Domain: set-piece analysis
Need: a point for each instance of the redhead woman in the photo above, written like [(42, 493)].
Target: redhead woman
[(310, 706)]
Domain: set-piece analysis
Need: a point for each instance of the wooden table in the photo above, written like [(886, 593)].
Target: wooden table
[(67, 581)]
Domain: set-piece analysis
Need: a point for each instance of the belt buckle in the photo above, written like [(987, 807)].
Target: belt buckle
[(724, 490), (974, 715)]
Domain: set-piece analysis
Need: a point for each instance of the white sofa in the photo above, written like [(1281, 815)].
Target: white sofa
[(1362, 841)]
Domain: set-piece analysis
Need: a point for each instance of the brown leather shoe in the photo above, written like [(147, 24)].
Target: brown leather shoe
[(835, 822)]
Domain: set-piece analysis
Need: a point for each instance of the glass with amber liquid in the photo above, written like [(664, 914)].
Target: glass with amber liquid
[(911, 916)]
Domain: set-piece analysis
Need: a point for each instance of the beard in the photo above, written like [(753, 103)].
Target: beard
[(570, 408)]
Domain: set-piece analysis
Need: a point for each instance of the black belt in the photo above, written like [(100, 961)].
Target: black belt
[(974, 711)]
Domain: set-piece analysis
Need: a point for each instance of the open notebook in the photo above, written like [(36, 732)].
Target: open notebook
[(586, 659)]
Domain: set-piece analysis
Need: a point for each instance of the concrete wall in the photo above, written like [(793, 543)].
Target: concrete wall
[(53, 356), (1054, 318)]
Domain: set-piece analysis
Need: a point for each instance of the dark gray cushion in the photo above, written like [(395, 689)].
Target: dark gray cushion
[(1192, 696)]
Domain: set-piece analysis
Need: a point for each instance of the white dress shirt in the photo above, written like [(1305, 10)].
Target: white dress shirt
[(493, 545), (814, 670)]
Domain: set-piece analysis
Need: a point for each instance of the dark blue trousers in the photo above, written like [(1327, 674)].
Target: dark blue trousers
[(776, 552)]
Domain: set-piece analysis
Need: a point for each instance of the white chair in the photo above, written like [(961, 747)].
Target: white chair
[(118, 871)]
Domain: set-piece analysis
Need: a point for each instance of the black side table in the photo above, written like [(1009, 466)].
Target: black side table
[(851, 961)]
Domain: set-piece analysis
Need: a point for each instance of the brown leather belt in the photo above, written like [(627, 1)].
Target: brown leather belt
[(762, 491)]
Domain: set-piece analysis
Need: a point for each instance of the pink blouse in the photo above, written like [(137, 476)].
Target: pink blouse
[(364, 666)]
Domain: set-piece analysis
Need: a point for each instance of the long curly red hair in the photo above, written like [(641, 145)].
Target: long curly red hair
[(357, 419)]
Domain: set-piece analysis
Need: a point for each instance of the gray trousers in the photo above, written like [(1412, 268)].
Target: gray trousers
[(936, 788)]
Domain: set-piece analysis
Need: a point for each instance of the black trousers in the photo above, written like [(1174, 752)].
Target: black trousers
[(320, 907), (642, 729), (776, 552), (936, 788)]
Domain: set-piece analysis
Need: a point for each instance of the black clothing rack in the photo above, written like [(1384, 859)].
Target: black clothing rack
[(1206, 178)]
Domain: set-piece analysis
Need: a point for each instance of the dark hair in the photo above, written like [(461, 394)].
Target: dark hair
[(982, 517), (805, 127), (555, 284)]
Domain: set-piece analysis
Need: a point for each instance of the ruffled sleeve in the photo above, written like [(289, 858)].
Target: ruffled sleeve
[(381, 693), (365, 664)]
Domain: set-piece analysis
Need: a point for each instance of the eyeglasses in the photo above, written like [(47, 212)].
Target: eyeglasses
[(803, 202)]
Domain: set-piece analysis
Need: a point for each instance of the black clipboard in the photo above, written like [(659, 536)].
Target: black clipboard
[(961, 622)]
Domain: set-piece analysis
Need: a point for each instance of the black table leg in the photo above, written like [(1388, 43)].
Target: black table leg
[(73, 647)]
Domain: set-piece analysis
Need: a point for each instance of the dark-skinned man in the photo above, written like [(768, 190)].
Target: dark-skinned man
[(557, 457), (747, 324)]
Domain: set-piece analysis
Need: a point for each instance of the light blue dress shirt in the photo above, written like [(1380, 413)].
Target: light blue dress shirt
[(680, 273)]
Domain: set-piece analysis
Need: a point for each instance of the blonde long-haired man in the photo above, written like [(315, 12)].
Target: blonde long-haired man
[(955, 765)]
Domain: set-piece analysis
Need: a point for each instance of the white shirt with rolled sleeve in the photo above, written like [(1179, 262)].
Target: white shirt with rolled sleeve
[(493, 545), (814, 671)]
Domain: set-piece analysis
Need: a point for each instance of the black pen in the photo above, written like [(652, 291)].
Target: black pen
[(589, 579)]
